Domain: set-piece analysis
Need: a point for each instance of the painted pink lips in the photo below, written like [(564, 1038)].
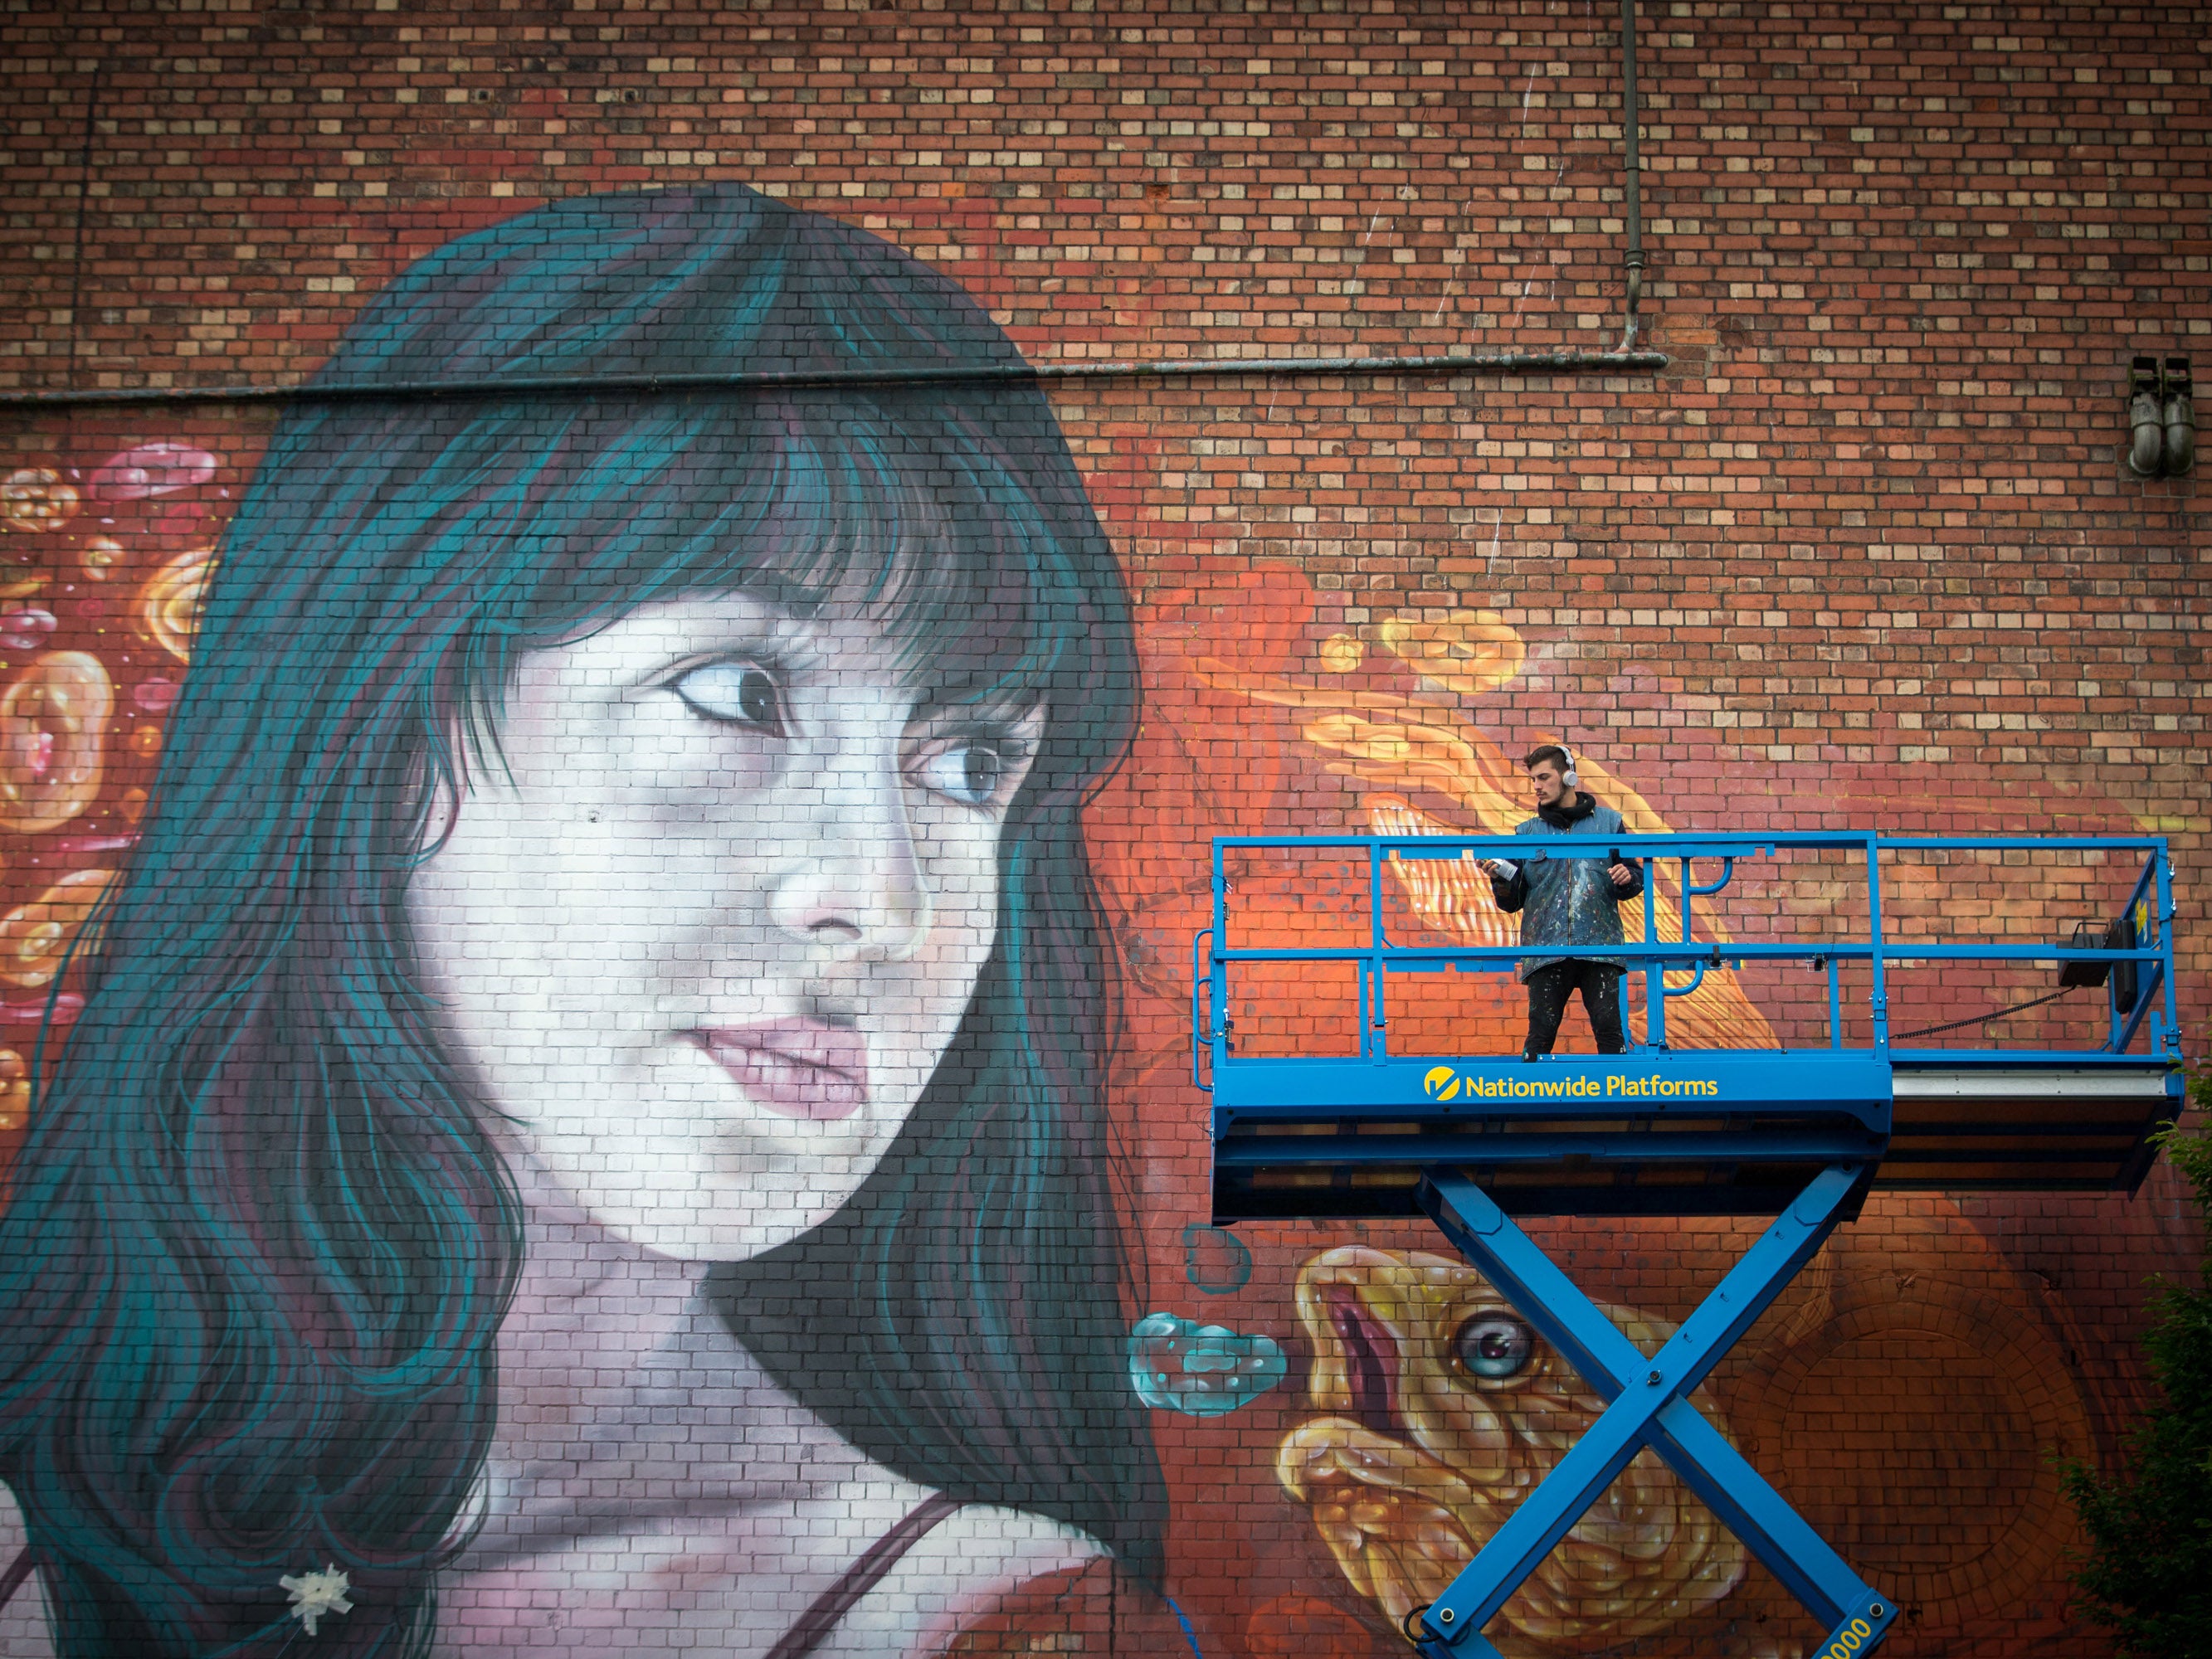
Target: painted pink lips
[(801, 1068)]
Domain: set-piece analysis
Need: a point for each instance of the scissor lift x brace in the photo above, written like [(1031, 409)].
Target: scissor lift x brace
[(1801, 1134)]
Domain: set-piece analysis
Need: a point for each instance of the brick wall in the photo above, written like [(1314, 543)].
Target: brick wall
[(1865, 554)]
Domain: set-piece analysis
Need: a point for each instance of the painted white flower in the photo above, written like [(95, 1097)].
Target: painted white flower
[(314, 1594)]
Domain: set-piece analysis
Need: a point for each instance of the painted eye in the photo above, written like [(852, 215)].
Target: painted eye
[(1492, 1347), (738, 693), (967, 770)]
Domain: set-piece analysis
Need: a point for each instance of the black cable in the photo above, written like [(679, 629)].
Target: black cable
[(1978, 1019)]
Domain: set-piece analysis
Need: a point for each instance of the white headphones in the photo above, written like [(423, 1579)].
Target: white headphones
[(1568, 777)]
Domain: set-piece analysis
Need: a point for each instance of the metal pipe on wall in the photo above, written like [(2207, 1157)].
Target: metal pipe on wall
[(306, 391), (1630, 118)]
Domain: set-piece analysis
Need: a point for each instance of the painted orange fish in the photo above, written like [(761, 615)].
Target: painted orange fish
[(1440, 1409)]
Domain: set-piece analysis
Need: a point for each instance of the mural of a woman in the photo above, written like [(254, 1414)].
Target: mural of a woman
[(586, 1117)]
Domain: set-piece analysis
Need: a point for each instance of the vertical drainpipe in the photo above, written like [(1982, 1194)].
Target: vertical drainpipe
[(1630, 120)]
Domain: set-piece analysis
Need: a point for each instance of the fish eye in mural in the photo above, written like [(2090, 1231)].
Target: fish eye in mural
[(595, 1047)]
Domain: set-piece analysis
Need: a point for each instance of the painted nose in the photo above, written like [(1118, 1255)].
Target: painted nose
[(857, 887)]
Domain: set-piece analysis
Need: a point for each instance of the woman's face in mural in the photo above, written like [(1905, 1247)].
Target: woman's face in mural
[(704, 936)]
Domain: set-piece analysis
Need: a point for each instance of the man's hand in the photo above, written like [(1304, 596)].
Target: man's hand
[(1622, 876)]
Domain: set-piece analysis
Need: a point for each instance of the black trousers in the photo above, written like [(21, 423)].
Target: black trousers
[(1548, 990)]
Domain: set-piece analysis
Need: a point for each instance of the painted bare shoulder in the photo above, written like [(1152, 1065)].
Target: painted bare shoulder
[(23, 1634)]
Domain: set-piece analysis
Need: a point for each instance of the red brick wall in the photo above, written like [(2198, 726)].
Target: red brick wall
[(1866, 553)]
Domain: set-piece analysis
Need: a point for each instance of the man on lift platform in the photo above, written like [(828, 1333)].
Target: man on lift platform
[(1567, 901)]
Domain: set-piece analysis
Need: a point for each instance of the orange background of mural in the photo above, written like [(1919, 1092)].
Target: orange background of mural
[(103, 554)]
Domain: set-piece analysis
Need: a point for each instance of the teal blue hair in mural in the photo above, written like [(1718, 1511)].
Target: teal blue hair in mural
[(270, 1219)]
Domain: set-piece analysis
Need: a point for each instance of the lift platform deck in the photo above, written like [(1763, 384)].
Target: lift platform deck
[(1319, 1113)]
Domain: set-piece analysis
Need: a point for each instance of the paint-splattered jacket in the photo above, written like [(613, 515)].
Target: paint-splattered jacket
[(1568, 900)]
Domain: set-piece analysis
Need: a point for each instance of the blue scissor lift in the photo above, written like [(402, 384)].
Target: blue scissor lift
[(1801, 1134)]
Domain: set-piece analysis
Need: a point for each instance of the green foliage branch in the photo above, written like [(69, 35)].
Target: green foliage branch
[(2147, 1575)]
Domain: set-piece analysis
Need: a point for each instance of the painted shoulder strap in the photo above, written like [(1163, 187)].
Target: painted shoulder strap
[(19, 1571), (808, 1631)]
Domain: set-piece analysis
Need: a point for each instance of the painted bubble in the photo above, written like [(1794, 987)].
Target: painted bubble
[(169, 603), (99, 557), (24, 629), (184, 521), (35, 938), (34, 498), (156, 696), (1467, 651), (52, 721), (151, 469), (1214, 1259), (1202, 1371)]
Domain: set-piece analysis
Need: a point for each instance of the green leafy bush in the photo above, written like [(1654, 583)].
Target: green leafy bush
[(2148, 1573)]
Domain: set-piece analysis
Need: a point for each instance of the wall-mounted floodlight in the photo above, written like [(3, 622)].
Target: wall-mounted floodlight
[(2161, 418)]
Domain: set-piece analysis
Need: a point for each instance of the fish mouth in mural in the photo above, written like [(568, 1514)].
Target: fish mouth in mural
[(1369, 1357), (801, 1068)]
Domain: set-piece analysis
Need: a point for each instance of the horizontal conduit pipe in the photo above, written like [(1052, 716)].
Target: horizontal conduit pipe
[(307, 392)]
